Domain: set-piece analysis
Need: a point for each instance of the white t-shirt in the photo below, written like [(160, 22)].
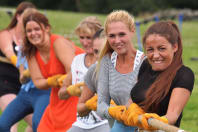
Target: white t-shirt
[(78, 70)]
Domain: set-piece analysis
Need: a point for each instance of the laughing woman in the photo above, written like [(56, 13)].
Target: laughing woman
[(49, 56)]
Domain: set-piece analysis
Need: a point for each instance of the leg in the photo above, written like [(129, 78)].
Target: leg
[(41, 103), (4, 101), (119, 127), (14, 112), (28, 119), (101, 128)]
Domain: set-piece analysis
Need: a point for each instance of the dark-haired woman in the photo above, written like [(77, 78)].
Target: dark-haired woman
[(10, 38), (164, 83)]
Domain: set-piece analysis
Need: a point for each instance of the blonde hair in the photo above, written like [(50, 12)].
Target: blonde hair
[(89, 25), (115, 16)]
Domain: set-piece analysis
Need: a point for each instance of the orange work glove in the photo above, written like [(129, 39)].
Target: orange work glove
[(146, 116), (75, 90), (130, 117), (112, 103), (13, 59), (26, 73), (61, 79), (117, 112), (91, 104), (53, 80)]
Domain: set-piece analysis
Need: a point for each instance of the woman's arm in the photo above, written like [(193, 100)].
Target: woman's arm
[(64, 52), (6, 44), (103, 89), (85, 95), (178, 100), (38, 79), (62, 93)]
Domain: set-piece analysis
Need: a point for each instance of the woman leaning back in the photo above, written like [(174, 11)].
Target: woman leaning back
[(164, 84), (49, 56), (10, 39), (117, 67)]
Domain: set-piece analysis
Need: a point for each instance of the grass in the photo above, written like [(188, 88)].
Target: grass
[(64, 23)]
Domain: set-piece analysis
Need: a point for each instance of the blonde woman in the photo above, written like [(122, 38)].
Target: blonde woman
[(80, 64), (118, 67)]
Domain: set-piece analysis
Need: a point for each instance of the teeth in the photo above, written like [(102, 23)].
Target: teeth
[(157, 62)]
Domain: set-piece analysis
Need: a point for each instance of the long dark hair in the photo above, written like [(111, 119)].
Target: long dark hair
[(161, 86), (19, 10), (28, 48)]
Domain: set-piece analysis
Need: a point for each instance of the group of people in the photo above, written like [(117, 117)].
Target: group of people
[(105, 86)]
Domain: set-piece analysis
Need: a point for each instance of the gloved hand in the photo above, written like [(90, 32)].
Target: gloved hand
[(61, 79), (117, 112), (75, 90), (53, 80), (146, 116), (91, 104), (13, 59), (112, 103), (26, 73), (130, 117)]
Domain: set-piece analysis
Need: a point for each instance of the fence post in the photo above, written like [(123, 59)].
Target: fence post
[(138, 35), (180, 21)]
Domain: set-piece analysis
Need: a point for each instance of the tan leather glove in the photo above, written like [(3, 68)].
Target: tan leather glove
[(146, 116), (13, 59), (117, 112), (75, 90), (91, 104), (53, 80), (130, 117), (61, 79)]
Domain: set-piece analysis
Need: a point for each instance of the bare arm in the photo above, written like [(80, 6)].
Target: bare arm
[(85, 95), (62, 93), (38, 79), (178, 100), (6, 44)]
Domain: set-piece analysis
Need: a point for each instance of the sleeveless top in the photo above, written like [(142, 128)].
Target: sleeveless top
[(10, 74), (59, 114)]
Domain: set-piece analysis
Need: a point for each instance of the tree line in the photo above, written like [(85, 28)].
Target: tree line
[(105, 6)]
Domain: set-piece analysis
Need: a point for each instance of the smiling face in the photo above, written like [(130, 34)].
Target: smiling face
[(87, 42), (119, 37), (35, 33), (160, 52)]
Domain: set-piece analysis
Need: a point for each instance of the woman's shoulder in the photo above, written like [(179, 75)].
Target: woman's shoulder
[(5, 34), (185, 70)]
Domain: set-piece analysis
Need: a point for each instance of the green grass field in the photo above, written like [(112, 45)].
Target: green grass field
[(64, 23)]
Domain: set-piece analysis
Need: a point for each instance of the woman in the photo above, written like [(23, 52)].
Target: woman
[(85, 30), (49, 56), (10, 39), (164, 84), (118, 66)]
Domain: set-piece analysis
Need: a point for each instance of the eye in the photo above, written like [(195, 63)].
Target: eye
[(149, 50), (88, 37), (37, 29), (162, 48), (111, 35), (81, 37), (122, 34), (28, 30)]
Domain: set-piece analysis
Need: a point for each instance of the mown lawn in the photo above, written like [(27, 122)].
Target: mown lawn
[(64, 23)]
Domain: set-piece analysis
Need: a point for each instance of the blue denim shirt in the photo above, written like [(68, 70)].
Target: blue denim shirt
[(22, 60)]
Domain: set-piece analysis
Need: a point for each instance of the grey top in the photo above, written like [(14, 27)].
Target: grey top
[(113, 85), (90, 78)]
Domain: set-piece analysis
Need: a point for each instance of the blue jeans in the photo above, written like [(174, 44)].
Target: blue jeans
[(120, 127), (25, 103)]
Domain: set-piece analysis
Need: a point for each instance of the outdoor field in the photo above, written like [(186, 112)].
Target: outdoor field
[(64, 23)]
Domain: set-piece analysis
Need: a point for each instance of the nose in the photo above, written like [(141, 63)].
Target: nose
[(117, 39), (156, 54)]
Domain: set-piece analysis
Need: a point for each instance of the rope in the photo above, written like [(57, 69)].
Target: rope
[(162, 126)]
